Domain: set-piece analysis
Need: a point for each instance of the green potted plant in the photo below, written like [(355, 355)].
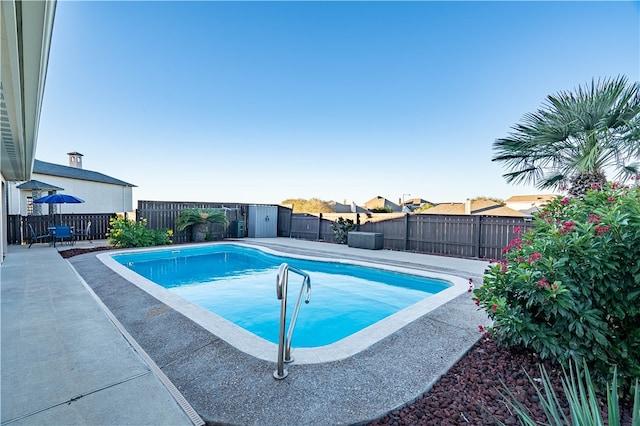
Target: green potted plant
[(199, 220), (341, 229)]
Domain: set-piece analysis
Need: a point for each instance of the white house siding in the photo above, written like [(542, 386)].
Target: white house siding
[(99, 197), (14, 203), (3, 222)]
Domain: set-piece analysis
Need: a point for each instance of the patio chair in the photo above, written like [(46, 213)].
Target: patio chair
[(34, 237), (63, 233), (84, 233)]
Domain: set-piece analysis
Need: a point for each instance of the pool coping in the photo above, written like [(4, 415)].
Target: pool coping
[(260, 348)]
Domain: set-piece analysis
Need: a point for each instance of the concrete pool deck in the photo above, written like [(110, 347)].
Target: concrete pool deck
[(63, 361), (227, 386)]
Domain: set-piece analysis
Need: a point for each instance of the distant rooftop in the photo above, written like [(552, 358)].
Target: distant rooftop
[(51, 169), (36, 184), (478, 207), (531, 198)]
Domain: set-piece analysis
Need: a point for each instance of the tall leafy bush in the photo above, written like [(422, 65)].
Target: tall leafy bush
[(129, 233), (570, 288)]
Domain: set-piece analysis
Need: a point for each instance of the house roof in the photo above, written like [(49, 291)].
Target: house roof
[(446, 208), (36, 184), (540, 198), (346, 208), (380, 202), (478, 207), (483, 204), (416, 201), (51, 169), (502, 211)]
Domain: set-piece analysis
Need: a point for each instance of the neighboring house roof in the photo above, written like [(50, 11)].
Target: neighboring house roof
[(543, 198), (502, 211), (478, 207), (36, 184), (51, 169), (416, 201), (380, 203), (446, 208), (347, 208), (340, 207), (482, 204)]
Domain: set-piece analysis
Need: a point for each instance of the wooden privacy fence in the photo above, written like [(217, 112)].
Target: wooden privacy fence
[(469, 236), (163, 214), (18, 226), (310, 227)]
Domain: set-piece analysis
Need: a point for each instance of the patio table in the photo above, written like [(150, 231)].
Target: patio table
[(53, 232)]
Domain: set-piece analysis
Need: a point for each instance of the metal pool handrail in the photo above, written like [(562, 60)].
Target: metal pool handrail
[(284, 345)]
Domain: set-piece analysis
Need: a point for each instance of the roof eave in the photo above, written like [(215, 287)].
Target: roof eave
[(25, 42)]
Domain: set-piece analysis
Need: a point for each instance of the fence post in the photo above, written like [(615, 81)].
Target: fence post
[(406, 231), (319, 226), (477, 226)]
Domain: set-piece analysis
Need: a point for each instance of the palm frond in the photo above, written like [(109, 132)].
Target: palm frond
[(195, 216), (587, 130)]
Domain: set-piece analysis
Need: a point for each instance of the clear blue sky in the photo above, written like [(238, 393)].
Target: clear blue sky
[(263, 101)]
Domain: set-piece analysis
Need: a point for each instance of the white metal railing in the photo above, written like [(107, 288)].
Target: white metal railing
[(284, 343)]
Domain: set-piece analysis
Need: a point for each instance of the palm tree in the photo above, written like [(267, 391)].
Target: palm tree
[(575, 136), (200, 220)]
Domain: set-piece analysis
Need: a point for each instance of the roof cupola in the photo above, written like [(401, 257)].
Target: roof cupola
[(75, 159)]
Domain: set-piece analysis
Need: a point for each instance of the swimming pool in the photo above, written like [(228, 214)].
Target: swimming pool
[(340, 337), (237, 283)]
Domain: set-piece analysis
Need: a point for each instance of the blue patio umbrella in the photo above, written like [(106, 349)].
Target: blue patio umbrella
[(59, 199)]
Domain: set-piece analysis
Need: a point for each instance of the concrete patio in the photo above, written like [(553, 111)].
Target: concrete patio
[(64, 361)]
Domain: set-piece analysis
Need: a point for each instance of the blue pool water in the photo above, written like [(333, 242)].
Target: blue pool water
[(239, 284)]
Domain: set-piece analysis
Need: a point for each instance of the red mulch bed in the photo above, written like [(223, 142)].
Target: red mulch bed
[(469, 393), (76, 251)]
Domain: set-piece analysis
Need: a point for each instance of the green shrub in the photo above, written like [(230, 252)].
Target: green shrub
[(129, 233), (570, 288), (341, 229)]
